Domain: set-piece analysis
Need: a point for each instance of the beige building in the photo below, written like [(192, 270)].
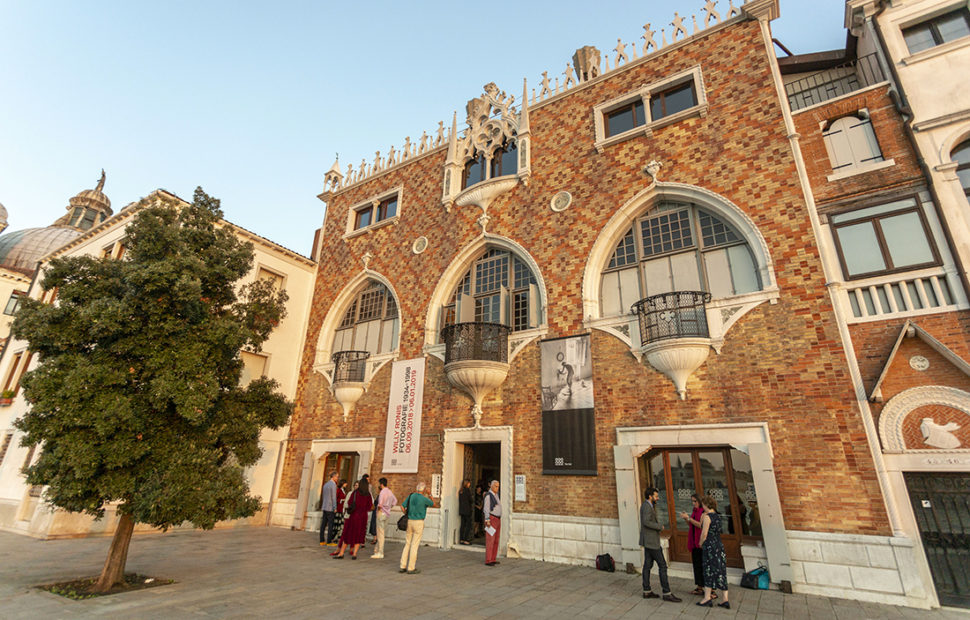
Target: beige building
[(21, 508)]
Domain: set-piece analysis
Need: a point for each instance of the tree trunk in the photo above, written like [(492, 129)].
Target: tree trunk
[(114, 566)]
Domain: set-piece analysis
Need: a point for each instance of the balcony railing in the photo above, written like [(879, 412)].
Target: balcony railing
[(349, 366), (835, 82), (926, 292), (476, 341), (682, 314)]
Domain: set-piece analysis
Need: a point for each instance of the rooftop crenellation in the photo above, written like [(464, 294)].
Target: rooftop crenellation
[(587, 64)]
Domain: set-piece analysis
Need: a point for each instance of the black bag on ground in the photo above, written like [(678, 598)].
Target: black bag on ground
[(605, 562), (757, 579)]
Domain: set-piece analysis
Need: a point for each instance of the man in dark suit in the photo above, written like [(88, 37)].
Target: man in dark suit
[(650, 529), (465, 509)]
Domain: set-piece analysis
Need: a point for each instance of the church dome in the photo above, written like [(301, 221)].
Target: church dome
[(20, 250)]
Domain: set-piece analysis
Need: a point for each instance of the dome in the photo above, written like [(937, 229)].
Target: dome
[(22, 249)]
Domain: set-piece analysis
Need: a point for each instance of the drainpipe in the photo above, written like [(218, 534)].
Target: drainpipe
[(902, 104), (872, 436)]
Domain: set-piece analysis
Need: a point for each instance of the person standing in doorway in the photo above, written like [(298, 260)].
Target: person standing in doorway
[(492, 513), (694, 542), (416, 506), (465, 511), (329, 507), (650, 529), (385, 501)]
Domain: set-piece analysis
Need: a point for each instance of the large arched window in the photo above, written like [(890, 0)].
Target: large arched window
[(961, 155), (371, 322), (677, 246), (498, 288)]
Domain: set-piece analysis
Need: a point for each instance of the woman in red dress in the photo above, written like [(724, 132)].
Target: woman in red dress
[(355, 527)]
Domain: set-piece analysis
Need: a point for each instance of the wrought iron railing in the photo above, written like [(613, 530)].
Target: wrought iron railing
[(476, 341), (349, 366), (834, 82), (682, 314)]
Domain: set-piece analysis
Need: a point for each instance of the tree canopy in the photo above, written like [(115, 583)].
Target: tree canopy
[(136, 399)]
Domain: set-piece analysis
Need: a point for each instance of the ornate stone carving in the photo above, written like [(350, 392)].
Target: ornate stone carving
[(678, 358), (899, 406), (939, 435), (561, 201), (420, 245), (587, 62), (491, 122), (727, 313), (653, 169)]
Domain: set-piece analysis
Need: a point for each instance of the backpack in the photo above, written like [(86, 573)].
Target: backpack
[(605, 562), (758, 579)]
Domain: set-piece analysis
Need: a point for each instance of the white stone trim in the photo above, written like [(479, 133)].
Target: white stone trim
[(447, 530), (955, 137), (899, 406), (852, 171), (457, 268)]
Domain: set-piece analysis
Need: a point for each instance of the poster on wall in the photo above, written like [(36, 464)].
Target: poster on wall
[(568, 423), (402, 442)]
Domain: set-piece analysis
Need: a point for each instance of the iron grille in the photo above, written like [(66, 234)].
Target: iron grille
[(834, 82), (682, 314), (476, 341), (349, 365)]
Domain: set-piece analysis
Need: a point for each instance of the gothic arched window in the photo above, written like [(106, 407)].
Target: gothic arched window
[(371, 322), (498, 288), (961, 155), (677, 246)]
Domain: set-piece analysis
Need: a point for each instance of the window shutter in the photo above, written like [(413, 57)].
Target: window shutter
[(466, 309), (533, 305), (503, 306)]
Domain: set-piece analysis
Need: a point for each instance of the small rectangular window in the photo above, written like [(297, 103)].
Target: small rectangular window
[(625, 118), (4, 446), (363, 217), (885, 238), (938, 30), (13, 304), (374, 211), (12, 371), (672, 100), (270, 276)]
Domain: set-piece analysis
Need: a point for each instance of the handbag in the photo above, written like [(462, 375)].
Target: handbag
[(402, 523), (757, 579)]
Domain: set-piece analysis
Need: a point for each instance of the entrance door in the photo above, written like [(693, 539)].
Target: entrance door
[(345, 464), (482, 464), (941, 504), (721, 472)]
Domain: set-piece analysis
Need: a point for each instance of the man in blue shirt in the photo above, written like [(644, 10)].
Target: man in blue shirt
[(416, 506)]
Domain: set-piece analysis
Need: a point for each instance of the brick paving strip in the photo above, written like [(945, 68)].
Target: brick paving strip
[(261, 572)]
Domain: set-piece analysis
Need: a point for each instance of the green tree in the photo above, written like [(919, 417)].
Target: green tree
[(136, 399)]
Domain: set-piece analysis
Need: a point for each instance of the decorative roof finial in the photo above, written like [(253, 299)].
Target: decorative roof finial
[(100, 182)]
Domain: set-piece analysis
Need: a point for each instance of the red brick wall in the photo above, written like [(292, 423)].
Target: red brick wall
[(890, 133), (781, 364)]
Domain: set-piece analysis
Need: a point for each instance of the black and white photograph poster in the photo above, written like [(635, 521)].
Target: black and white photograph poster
[(568, 423)]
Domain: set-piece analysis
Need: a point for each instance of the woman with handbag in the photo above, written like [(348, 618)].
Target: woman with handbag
[(359, 505), (714, 558), (694, 542)]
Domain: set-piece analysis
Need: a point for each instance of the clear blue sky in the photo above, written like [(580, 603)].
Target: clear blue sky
[(251, 100)]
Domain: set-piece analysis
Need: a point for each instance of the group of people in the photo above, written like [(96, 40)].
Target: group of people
[(704, 543), (350, 532)]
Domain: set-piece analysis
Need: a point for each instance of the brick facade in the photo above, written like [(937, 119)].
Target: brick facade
[(782, 363)]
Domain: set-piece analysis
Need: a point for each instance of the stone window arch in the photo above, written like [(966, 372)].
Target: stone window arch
[(370, 322), (850, 142), (677, 246), (960, 155), (898, 407)]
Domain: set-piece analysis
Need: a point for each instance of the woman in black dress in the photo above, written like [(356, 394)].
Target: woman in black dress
[(713, 556)]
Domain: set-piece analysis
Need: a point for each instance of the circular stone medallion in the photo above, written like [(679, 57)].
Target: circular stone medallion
[(918, 362), (561, 201), (420, 245)]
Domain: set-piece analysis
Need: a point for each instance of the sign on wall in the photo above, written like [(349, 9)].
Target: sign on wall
[(568, 423), (402, 443)]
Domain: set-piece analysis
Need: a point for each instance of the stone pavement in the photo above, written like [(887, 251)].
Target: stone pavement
[(261, 572)]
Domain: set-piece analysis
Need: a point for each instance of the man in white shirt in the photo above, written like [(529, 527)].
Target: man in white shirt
[(385, 501), (492, 510)]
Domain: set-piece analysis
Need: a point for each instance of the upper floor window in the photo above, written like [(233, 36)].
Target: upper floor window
[(498, 288), (961, 155), (851, 143), (371, 322), (677, 247), (938, 30), (883, 239), (13, 304), (503, 161), (377, 211), (85, 218), (654, 105), (276, 279)]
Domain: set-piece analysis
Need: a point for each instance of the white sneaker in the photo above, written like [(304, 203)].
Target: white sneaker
[(377, 557)]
